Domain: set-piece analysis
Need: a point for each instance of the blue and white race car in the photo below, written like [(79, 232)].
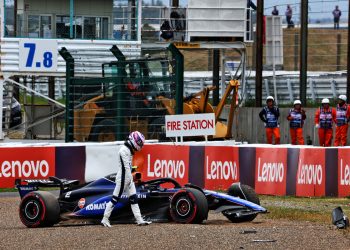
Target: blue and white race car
[(160, 200)]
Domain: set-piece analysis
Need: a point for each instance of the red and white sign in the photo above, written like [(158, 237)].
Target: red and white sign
[(271, 171), (221, 167), (160, 161), (25, 163), (311, 175), (190, 125), (343, 172)]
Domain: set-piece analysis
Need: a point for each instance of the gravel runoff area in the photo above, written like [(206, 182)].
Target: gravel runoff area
[(216, 233)]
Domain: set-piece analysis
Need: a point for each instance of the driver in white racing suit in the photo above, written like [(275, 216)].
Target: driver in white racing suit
[(124, 180)]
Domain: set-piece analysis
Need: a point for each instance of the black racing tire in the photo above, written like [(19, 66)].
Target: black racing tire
[(244, 192), (104, 130), (189, 206), (39, 209)]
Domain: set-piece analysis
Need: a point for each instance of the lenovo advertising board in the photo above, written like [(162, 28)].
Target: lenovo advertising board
[(221, 167), (26, 163), (160, 161), (271, 171), (311, 176), (343, 172)]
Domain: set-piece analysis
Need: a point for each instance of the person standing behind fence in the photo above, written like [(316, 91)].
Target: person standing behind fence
[(296, 119), (275, 11), (336, 15), (324, 118), (342, 119), (269, 115), (289, 14)]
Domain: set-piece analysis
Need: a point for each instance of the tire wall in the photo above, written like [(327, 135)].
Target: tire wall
[(274, 170)]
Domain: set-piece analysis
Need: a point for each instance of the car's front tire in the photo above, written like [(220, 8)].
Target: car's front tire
[(189, 205), (39, 209), (244, 192)]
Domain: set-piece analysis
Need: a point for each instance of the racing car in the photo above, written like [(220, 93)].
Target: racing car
[(160, 200)]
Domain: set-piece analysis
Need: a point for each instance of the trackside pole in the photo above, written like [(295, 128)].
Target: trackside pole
[(314, 142), (2, 106)]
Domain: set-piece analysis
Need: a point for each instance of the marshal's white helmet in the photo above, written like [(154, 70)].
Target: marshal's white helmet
[(137, 140), (297, 102), (342, 97), (325, 101), (270, 98)]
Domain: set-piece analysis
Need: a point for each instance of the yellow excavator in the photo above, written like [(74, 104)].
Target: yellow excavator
[(195, 104), (198, 103), (94, 118)]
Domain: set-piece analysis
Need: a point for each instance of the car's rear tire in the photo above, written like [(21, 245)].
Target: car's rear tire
[(39, 209), (189, 205), (244, 192)]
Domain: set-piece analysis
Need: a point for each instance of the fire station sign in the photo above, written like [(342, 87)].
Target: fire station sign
[(37, 55), (190, 125)]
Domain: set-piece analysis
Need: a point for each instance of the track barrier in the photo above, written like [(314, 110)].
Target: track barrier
[(272, 170)]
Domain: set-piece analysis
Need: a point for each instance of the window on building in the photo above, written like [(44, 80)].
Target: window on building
[(45, 27), (43, 19), (9, 18), (39, 26), (63, 27), (33, 26), (96, 27), (83, 27), (78, 27)]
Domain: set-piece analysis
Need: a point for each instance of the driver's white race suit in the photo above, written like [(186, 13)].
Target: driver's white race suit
[(124, 184)]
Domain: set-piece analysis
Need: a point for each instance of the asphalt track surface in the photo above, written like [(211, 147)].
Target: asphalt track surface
[(216, 233)]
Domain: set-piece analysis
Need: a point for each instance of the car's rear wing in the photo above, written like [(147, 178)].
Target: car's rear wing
[(29, 185)]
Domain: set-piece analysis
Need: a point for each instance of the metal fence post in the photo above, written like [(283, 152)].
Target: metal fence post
[(334, 91), (267, 88), (69, 105), (290, 90), (179, 77), (202, 83), (312, 89), (338, 61)]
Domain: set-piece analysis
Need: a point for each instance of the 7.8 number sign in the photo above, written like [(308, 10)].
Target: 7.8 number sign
[(47, 62), (37, 55)]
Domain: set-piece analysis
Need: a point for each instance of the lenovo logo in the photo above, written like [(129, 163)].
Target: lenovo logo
[(165, 168), (270, 171), (24, 169), (218, 170), (344, 174), (310, 174)]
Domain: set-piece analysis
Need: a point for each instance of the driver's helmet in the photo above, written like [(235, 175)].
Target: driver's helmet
[(137, 140)]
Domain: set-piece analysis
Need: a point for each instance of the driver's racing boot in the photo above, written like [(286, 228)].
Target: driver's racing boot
[(109, 208), (137, 214)]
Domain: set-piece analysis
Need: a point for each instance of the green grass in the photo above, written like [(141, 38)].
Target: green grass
[(3, 190), (304, 209), (296, 214), (37, 100)]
